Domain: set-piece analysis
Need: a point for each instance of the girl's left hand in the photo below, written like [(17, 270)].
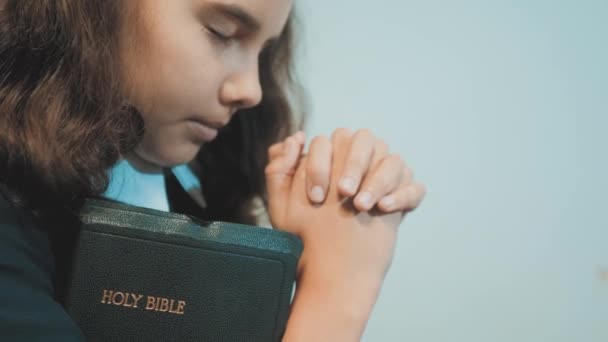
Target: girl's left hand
[(371, 175)]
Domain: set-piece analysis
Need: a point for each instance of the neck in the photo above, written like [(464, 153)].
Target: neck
[(143, 165)]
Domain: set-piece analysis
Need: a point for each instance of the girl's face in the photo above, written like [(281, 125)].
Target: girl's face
[(190, 64)]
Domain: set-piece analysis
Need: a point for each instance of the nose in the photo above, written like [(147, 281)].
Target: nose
[(242, 89)]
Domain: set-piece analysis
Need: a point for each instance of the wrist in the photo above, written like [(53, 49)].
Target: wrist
[(331, 307), (352, 294)]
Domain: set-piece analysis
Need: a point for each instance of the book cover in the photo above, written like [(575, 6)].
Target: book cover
[(145, 275)]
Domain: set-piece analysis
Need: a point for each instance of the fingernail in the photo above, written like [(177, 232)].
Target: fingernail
[(365, 199), (317, 194), (348, 184), (387, 202)]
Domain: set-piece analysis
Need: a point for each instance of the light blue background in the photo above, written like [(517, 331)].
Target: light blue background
[(501, 109)]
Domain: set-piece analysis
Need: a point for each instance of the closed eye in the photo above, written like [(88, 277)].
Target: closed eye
[(218, 35)]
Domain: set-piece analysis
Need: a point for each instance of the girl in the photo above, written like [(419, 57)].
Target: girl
[(160, 84)]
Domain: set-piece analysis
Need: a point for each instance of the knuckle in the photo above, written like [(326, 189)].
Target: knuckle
[(317, 171), (273, 147), (376, 182), (270, 169), (405, 178), (381, 147), (414, 196), (357, 160), (402, 164), (319, 140), (355, 166), (341, 132), (380, 186), (364, 133), (395, 159), (316, 175)]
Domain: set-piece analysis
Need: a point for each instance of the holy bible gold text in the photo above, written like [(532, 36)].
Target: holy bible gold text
[(152, 303)]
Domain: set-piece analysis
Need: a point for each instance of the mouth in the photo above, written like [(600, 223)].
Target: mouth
[(202, 131), (216, 125)]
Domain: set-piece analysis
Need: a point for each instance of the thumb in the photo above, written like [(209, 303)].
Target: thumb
[(279, 173)]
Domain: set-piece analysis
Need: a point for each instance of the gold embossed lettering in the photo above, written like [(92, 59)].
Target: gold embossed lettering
[(160, 304), (115, 300), (150, 303), (177, 308), (164, 305), (136, 298), (180, 307), (126, 302), (171, 309), (107, 297)]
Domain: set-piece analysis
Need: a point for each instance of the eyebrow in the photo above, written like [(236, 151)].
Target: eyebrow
[(236, 12), (239, 14)]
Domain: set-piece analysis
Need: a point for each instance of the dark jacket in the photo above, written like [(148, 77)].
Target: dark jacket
[(33, 271), (28, 309)]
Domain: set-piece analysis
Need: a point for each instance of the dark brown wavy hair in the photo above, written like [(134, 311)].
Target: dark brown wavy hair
[(64, 121)]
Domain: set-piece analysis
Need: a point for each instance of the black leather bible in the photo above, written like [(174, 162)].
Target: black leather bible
[(147, 275)]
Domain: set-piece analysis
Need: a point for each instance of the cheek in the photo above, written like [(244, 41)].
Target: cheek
[(188, 73), (178, 71), (183, 84)]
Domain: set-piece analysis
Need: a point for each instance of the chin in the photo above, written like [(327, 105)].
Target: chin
[(180, 155)]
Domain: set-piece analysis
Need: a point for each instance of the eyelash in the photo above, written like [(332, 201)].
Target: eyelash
[(218, 36)]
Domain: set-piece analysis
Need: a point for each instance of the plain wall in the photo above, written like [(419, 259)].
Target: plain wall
[(501, 109)]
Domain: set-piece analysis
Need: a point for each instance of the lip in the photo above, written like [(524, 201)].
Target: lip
[(217, 125), (202, 131)]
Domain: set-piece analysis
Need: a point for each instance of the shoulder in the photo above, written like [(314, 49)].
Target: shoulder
[(23, 245), (28, 310)]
